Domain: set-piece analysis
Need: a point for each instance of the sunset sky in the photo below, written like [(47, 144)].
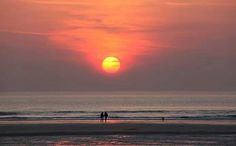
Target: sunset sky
[(162, 45)]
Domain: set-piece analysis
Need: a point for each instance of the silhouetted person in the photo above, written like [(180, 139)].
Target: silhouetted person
[(106, 115), (163, 119), (102, 116)]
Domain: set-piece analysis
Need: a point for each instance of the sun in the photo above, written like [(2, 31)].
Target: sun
[(111, 64)]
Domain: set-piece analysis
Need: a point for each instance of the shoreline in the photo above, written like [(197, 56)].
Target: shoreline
[(167, 121), (54, 129)]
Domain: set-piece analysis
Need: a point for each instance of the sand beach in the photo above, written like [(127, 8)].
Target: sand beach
[(110, 128)]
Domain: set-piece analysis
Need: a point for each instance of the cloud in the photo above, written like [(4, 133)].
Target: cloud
[(58, 2), (215, 3), (26, 33)]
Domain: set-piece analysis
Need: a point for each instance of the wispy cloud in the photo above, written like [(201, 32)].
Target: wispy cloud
[(58, 2), (26, 32), (202, 3)]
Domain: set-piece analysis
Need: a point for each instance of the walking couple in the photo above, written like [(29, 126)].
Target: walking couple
[(104, 115)]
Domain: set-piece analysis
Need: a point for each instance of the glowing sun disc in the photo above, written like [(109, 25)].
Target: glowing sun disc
[(111, 64)]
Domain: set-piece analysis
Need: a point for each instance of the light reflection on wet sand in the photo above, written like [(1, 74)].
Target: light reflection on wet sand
[(211, 122), (130, 140)]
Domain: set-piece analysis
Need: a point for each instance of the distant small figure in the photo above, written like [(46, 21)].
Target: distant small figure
[(163, 119), (101, 116), (106, 115)]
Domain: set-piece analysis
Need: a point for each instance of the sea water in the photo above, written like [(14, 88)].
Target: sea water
[(119, 105)]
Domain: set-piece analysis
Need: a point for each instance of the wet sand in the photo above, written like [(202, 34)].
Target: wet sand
[(96, 128)]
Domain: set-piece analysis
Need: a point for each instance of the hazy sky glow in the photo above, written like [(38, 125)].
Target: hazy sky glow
[(58, 45)]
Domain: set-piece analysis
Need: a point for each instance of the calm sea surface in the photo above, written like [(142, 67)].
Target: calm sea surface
[(119, 105)]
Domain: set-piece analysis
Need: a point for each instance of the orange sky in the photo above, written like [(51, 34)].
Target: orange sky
[(143, 34)]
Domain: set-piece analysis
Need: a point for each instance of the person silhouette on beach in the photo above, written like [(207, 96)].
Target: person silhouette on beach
[(163, 119), (101, 116), (106, 116)]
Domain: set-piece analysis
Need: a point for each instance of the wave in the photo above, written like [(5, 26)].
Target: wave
[(220, 117), (122, 111), (122, 115), (210, 117), (8, 113)]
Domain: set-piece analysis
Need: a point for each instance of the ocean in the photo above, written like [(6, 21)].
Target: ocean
[(119, 105)]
